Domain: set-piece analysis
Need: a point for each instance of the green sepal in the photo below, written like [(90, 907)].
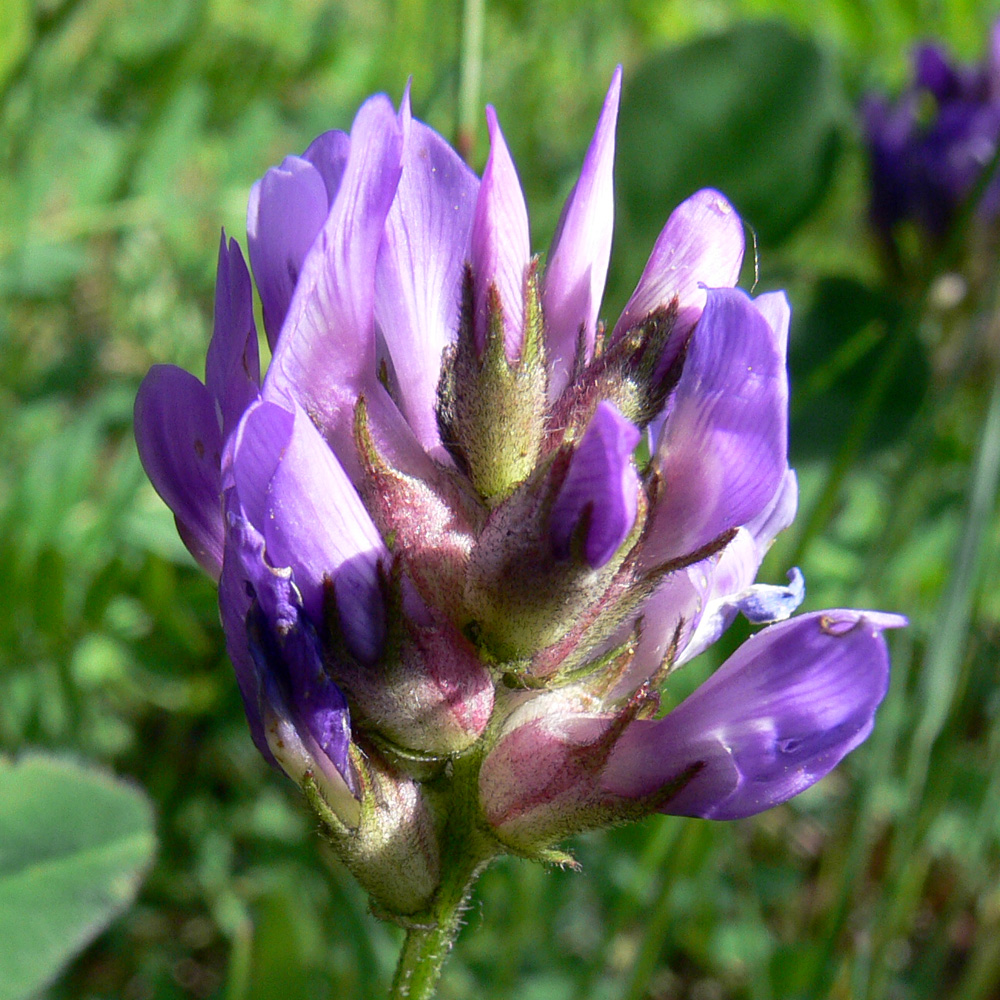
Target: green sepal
[(492, 409)]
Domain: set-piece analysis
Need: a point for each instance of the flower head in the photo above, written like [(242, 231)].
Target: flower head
[(442, 569), (929, 149)]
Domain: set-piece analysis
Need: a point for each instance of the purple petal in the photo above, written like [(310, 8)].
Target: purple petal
[(700, 247), (726, 581), (775, 309), (328, 153), (420, 267), (671, 612), (722, 452), (501, 247), (326, 355), (296, 686), (601, 484), (299, 498), (232, 369), (298, 717), (934, 72), (177, 435), (581, 248), (773, 719), (234, 605), (777, 515), (288, 207)]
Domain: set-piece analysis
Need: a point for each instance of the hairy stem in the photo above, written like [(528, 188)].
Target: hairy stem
[(466, 850)]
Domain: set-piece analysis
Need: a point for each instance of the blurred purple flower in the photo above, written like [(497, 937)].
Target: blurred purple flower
[(929, 148), (430, 530)]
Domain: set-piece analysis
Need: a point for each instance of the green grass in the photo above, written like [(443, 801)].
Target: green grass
[(129, 133)]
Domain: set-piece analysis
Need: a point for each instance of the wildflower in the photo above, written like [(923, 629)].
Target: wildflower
[(449, 590), (929, 149)]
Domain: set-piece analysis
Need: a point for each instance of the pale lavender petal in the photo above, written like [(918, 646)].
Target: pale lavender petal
[(328, 154), (775, 308), (772, 720), (722, 452), (326, 355), (581, 248), (177, 435), (601, 484), (777, 515), (667, 621), (767, 602), (501, 247), (726, 580), (700, 247), (287, 208), (419, 275), (232, 369), (298, 497)]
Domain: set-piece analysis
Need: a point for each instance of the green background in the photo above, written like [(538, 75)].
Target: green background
[(130, 132)]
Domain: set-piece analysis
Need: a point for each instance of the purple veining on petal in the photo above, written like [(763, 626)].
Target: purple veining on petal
[(177, 435), (298, 497), (326, 355), (501, 246), (232, 368), (288, 207), (602, 485), (722, 451), (420, 268), (700, 247), (771, 721), (581, 248)]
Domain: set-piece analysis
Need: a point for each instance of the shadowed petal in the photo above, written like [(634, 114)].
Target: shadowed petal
[(298, 717), (581, 248), (500, 242), (232, 368), (298, 497), (602, 485), (287, 208), (700, 247), (326, 355), (177, 435), (772, 720), (420, 267), (722, 451)]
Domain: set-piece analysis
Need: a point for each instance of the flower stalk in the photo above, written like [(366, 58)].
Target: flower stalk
[(467, 850)]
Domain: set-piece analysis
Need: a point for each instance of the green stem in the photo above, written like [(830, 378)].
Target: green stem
[(466, 851), (427, 946), (469, 77)]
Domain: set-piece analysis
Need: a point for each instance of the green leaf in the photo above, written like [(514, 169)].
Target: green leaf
[(753, 111), (74, 844)]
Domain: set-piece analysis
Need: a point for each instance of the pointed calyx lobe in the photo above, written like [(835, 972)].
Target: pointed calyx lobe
[(491, 409)]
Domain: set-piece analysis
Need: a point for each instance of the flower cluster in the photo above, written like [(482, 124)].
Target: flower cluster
[(449, 589), (928, 150)]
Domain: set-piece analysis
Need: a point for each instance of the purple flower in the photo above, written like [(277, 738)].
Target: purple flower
[(433, 539), (925, 163)]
